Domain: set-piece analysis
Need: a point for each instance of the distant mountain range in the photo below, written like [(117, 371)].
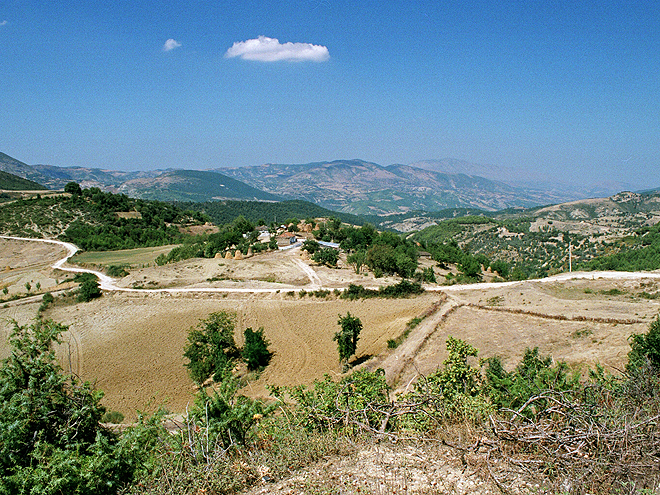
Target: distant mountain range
[(164, 185), (360, 187), (350, 186)]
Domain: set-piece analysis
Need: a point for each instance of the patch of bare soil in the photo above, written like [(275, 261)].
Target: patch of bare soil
[(387, 468), (28, 262), (579, 322)]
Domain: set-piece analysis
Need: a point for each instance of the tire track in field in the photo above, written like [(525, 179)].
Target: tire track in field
[(74, 353), (399, 362), (294, 352)]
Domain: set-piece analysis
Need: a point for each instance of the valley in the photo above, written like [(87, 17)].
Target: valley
[(131, 343)]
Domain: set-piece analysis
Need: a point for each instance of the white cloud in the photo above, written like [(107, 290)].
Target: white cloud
[(3, 23), (264, 49), (171, 45)]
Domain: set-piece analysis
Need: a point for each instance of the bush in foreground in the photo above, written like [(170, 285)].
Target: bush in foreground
[(51, 439)]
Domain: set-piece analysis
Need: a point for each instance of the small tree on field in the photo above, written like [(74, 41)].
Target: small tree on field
[(89, 290), (73, 188), (326, 256), (358, 259), (255, 351), (348, 336), (311, 246), (645, 346), (211, 347)]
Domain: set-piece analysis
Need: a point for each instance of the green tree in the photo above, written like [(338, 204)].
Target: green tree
[(28, 287), (89, 290), (255, 351), (358, 259), (211, 347), (501, 267), (311, 246), (470, 267), (348, 336), (326, 256), (645, 346), (5, 290), (73, 188)]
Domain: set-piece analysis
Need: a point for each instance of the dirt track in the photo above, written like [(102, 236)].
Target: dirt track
[(131, 343)]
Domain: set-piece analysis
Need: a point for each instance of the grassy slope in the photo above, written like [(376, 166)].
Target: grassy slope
[(13, 182)]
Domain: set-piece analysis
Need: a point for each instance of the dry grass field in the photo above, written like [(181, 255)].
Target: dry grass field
[(131, 344)]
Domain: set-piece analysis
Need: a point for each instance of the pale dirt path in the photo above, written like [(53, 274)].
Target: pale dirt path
[(109, 284), (404, 356)]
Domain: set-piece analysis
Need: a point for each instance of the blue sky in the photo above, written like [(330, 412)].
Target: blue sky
[(568, 90)]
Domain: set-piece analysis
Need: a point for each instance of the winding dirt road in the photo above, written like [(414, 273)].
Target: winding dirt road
[(110, 284)]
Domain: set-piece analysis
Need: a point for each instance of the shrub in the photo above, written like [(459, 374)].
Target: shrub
[(51, 440), (326, 256), (46, 301), (348, 336), (358, 401), (452, 393), (644, 347), (211, 347), (89, 290), (311, 246), (114, 417), (117, 271), (255, 351)]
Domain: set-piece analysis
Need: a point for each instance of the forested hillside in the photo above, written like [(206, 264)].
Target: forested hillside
[(11, 182), (516, 251), (222, 212), (95, 220)]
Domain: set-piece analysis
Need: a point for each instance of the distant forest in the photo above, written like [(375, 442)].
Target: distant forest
[(11, 182), (224, 212)]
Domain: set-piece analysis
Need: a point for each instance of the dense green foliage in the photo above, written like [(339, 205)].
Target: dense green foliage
[(11, 182), (91, 221), (384, 253), (211, 347), (642, 253), (202, 185), (326, 256), (324, 405), (405, 288), (89, 290), (347, 337), (227, 416), (223, 212), (51, 440), (240, 235), (255, 351), (645, 346)]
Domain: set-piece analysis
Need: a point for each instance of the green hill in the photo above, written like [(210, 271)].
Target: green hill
[(11, 182), (194, 185), (222, 212)]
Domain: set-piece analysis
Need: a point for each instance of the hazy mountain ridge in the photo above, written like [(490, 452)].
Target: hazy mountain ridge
[(165, 185), (350, 186), (358, 186)]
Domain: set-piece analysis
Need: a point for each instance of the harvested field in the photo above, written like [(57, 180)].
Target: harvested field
[(131, 344)]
